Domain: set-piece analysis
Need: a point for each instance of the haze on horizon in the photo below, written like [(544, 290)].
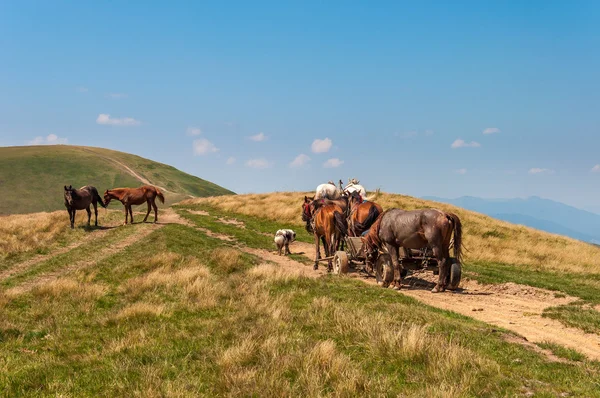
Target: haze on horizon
[(488, 100)]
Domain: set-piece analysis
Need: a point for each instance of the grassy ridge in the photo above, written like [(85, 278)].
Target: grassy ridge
[(184, 314), (32, 177)]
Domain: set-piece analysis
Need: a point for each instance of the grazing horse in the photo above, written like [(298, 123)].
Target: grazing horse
[(362, 214), (135, 196), (353, 186), (79, 199), (416, 229), (328, 191)]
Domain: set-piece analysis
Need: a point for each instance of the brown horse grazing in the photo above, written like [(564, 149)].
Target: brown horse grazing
[(135, 196), (416, 229), (82, 198), (362, 214)]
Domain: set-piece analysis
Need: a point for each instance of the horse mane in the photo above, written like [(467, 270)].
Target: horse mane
[(371, 239)]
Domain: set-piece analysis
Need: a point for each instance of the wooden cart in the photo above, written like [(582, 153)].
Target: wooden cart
[(354, 256)]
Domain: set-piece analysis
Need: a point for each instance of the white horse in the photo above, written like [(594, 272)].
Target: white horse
[(353, 186), (328, 191)]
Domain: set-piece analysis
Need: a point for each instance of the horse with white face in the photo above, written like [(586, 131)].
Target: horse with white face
[(328, 191)]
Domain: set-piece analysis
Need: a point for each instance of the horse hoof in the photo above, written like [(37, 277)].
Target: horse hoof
[(435, 290), (315, 267)]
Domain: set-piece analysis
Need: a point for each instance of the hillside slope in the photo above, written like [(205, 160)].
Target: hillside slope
[(32, 177)]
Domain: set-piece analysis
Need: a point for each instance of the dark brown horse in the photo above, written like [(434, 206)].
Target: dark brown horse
[(82, 198), (416, 229), (362, 214), (135, 196), (328, 224)]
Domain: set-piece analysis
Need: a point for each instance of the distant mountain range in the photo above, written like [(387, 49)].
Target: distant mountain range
[(544, 214)]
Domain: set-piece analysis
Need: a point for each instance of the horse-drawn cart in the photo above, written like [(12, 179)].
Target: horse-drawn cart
[(354, 256)]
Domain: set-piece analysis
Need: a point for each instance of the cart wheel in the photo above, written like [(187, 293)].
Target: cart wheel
[(384, 270), (340, 263), (455, 274)]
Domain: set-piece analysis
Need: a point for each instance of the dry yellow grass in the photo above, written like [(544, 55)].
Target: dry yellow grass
[(485, 238), (70, 287), (140, 310), (21, 233), (229, 260), (178, 274)]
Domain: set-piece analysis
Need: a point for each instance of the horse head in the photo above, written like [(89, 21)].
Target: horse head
[(306, 209), (70, 195), (355, 198), (107, 197)]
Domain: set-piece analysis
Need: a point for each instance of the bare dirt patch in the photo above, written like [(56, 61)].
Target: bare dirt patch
[(199, 212), (232, 221)]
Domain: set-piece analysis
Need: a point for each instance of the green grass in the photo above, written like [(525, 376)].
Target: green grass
[(563, 352), (32, 177), (576, 315), (251, 335)]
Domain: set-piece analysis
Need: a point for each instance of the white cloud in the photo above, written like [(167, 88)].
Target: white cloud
[(258, 137), (300, 160), (491, 130), (321, 146), (81, 89), (230, 160), (204, 146), (104, 118), (193, 131), (596, 169), (463, 144), (537, 170), (50, 139), (260, 163), (461, 171), (333, 162), (117, 95)]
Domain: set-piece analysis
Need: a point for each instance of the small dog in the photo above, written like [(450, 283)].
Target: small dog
[(283, 238)]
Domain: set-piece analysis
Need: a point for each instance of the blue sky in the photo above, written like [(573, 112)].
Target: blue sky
[(391, 85)]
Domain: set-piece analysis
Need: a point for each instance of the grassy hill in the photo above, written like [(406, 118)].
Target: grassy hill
[(32, 177)]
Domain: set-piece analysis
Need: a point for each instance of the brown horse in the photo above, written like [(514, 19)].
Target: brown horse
[(135, 196), (362, 214), (416, 229), (82, 198), (328, 225)]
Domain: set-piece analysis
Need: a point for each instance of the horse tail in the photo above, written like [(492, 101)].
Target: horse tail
[(371, 239), (371, 217), (160, 195), (97, 197), (457, 235), (341, 225)]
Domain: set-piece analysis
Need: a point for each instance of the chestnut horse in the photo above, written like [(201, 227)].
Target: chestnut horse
[(135, 196), (82, 198), (416, 229), (328, 225), (362, 214)]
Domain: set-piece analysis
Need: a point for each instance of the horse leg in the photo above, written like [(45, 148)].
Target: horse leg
[(130, 214), (327, 249), (89, 212), (155, 211), (393, 251), (441, 256), (126, 214), (148, 212), (317, 251), (96, 213), (71, 217)]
